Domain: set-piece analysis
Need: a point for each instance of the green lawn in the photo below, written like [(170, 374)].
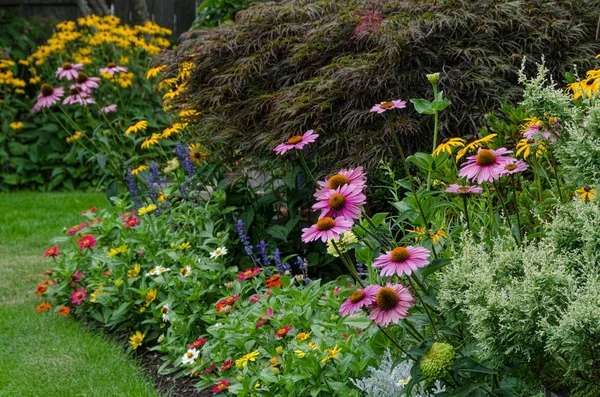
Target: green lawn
[(44, 354)]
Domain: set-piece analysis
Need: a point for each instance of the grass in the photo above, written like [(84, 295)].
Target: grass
[(44, 354)]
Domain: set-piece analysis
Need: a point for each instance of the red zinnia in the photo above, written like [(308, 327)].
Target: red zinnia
[(198, 343), (283, 331), (222, 385), (40, 289), (227, 365), (225, 305), (273, 281), (248, 274), (87, 241), (52, 252)]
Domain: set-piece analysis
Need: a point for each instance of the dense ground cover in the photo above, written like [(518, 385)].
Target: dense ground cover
[(44, 354)]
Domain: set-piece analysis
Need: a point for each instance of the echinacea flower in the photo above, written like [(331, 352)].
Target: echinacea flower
[(87, 241), (283, 331), (343, 201), (222, 385), (385, 106), (248, 274), (391, 304), (79, 296), (112, 68), (331, 354), (402, 260), (78, 96), (535, 131), (48, 96), (86, 83), (243, 361), (108, 108), (513, 168), (355, 177), (52, 252), (137, 126), (586, 193), (136, 339), (485, 165), (447, 145), (474, 143), (68, 70), (218, 252), (359, 299), (326, 228), (456, 188), (190, 356), (296, 142)]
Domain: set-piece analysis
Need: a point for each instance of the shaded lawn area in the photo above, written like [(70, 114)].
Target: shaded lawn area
[(45, 354)]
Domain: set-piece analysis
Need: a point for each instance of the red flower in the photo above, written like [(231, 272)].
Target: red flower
[(87, 241), (75, 229), (227, 365), (198, 343), (283, 331), (132, 222), (210, 369), (52, 252), (248, 274), (225, 305), (273, 281), (222, 385), (63, 311), (40, 289), (43, 307), (93, 209)]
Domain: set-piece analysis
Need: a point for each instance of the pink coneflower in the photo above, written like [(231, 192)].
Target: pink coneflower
[(326, 228), (344, 201), (108, 108), (78, 96), (68, 70), (535, 131), (385, 106), (391, 304), (359, 299), (76, 277), (355, 177), (48, 96), (248, 274), (112, 68), (222, 385), (296, 142), (485, 166), (402, 260), (227, 365), (456, 188), (52, 252), (87, 241), (78, 296), (86, 83), (198, 343), (513, 168)]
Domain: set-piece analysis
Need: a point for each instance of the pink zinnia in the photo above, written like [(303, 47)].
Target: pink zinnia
[(112, 68), (281, 332), (132, 222), (359, 299), (297, 142), (87, 242), (48, 97), (222, 385), (344, 201), (355, 177), (391, 304), (402, 260), (78, 296), (227, 365), (86, 83), (78, 96), (248, 274), (385, 106), (198, 343), (75, 229), (108, 108), (535, 130), (326, 228), (485, 166), (512, 168), (52, 252), (456, 188), (68, 70), (76, 277)]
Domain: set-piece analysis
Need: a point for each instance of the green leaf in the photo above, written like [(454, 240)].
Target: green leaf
[(361, 321), (422, 106), (435, 265), (469, 365), (379, 218), (278, 232)]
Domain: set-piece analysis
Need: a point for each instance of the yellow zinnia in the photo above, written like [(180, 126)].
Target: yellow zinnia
[(586, 193), (135, 271), (147, 209), (151, 296), (242, 362), (331, 353), (17, 125), (303, 336), (137, 126), (116, 251), (447, 145), (136, 339), (183, 246)]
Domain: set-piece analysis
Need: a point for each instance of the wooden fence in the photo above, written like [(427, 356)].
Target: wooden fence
[(177, 15)]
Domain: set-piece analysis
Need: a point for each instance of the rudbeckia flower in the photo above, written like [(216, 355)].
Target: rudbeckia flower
[(137, 126), (150, 141), (586, 193), (525, 145), (296, 142), (139, 169), (447, 145), (472, 144)]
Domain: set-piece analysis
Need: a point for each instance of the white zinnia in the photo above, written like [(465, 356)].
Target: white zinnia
[(218, 252), (157, 271), (190, 356)]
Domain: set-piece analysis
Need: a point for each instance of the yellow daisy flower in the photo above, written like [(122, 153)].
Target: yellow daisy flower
[(17, 125), (151, 141), (146, 210), (331, 353), (73, 137), (139, 169), (473, 144), (447, 145), (154, 71), (136, 339), (135, 271), (242, 362), (185, 245), (586, 193), (137, 126)]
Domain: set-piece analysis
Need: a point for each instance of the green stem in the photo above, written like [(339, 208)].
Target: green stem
[(435, 330), (306, 169), (435, 133), (514, 189), (464, 198), (352, 271), (383, 331)]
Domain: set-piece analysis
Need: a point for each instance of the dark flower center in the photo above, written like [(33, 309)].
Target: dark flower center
[(337, 181), (337, 201), (111, 65), (47, 90), (510, 167), (295, 139), (75, 91), (386, 105), (400, 254), (464, 189), (82, 77), (325, 223), (67, 66), (196, 155), (587, 189), (485, 158), (357, 296), (589, 82), (387, 298)]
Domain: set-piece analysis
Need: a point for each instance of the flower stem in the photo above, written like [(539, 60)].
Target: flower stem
[(464, 198), (512, 176), (306, 169), (352, 271), (435, 330), (383, 331), (435, 133)]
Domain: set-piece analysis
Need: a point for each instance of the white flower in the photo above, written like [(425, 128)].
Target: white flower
[(190, 357), (185, 271), (218, 252), (165, 312), (157, 271), (161, 338)]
